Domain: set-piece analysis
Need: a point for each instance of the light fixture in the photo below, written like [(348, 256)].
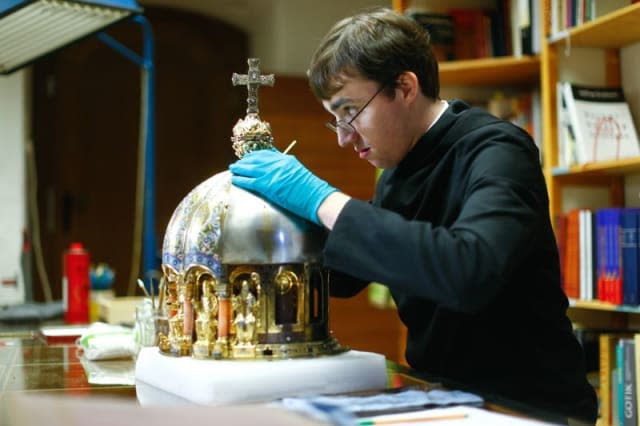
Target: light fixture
[(30, 29)]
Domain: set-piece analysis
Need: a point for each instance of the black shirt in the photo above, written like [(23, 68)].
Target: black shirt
[(460, 233)]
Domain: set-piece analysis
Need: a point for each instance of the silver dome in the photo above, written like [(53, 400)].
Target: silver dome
[(218, 223)]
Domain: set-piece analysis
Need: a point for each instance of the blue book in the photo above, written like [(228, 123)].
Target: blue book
[(601, 251), (609, 255), (616, 256), (629, 250)]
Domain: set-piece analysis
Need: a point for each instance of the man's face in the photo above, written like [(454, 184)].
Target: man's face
[(378, 132)]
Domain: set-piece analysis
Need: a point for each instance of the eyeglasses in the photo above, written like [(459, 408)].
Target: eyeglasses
[(346, 126)]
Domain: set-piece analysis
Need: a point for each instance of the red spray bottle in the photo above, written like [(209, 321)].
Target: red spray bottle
[(76, 284)]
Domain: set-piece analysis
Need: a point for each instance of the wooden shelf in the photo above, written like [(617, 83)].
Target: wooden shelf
[(501, 71), (614, 167), (614, 30), (603, 306)]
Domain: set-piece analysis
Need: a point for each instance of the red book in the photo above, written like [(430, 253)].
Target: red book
[(572, 265), (469, 33)]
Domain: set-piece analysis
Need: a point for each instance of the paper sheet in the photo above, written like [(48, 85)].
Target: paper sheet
[(461, 415)]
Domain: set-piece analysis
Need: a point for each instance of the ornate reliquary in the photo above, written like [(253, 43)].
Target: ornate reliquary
[(242, 278)]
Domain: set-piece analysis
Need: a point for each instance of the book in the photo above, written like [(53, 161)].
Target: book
[(571, 270), (601, 122), (586, 254), (441, 31), (514, 28), (629, 250), (629, 407), (525, 26), (601, 262), (566, 140), (469, 25), (609, 255)]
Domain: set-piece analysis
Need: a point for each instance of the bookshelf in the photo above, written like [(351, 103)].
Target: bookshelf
[(603, 32), (608, 33), (603, 306), (507, 71), (619, 167)]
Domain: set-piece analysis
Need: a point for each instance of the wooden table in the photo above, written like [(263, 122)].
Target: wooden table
[(31, 366)]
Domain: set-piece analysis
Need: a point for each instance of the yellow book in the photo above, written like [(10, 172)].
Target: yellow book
[(608, 343)]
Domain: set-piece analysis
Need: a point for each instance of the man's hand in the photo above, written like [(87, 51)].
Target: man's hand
[(283, 180)]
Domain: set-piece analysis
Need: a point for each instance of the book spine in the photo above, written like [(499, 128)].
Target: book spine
[(629, 249), (572, 273), (607, 364), (617, 257), (619, 375), (602, 258), (629, 407)]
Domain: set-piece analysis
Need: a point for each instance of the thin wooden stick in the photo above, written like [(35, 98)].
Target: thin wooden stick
[(291, 145), (407, 419)]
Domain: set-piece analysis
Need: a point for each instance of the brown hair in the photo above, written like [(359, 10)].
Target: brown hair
[(379, 45)]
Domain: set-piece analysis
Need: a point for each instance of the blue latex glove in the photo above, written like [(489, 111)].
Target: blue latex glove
[(283, 180)]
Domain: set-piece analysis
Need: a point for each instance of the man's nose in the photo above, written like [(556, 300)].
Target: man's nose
[(345, 138)]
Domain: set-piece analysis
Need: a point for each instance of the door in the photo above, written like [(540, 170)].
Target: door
[(86, 101)]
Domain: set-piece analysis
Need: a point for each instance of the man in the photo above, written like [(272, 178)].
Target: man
[(459, 228)]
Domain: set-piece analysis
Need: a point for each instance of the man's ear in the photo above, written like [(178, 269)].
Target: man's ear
[(409, 85)]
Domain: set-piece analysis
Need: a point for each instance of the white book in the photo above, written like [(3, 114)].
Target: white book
[(516, 43), (566, 140), (582, 235), (602, 123), (586, 254)]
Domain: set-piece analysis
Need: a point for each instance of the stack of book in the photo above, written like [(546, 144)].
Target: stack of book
[(508, 29), (599, 255), (566, 14), (619, 372)]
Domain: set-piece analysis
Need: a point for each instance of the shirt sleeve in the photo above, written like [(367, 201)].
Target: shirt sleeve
[(463, 264)]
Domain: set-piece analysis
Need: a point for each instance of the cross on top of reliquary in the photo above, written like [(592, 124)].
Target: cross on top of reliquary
[(253, 80)]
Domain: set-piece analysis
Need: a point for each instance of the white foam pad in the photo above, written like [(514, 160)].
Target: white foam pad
[(216, 382)]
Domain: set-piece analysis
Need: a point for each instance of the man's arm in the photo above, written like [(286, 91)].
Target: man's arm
[(331, 207)]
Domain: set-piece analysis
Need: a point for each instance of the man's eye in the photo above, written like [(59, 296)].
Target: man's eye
[(350, 111)]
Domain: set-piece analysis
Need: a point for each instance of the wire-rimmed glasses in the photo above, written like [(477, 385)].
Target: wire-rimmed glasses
[(345, 126)]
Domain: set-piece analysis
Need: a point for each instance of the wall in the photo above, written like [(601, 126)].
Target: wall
[(282, 33), (12, 185)]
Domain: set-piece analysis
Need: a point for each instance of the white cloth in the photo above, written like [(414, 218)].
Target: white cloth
[(105, 341)]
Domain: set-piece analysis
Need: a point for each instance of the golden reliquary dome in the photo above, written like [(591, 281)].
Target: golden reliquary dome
[(243, 278)]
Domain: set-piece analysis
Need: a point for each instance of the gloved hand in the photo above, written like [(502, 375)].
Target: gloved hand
[(283, 180)]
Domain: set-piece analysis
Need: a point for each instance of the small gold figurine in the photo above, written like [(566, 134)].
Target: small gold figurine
[(245, 320), (206, 322)]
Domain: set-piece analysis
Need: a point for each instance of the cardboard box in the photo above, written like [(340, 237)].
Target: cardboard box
[(118, 310)]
